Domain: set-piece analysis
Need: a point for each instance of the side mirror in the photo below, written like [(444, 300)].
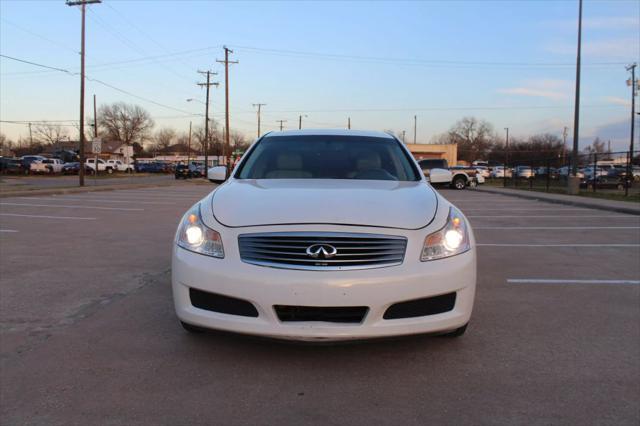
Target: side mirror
[(217, 174)]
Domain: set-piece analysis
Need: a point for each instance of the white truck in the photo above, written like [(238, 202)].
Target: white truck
[(47, 165), (102, 165), (119, 166), (438, 172)]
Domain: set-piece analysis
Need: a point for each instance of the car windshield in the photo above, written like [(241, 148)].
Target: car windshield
[(328, 157)]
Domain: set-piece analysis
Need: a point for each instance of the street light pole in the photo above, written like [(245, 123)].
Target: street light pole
[(506, 158), (576, 113)]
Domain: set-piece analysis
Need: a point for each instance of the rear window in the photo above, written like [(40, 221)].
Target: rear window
[(435, 163), (328, 157)]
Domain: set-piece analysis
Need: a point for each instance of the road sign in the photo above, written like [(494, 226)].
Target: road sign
[(96, 146)]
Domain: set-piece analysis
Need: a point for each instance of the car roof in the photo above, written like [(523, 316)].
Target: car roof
[(331, 132)]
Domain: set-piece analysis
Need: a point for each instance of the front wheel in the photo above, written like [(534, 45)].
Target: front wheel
[(459, 183), (110, 171)]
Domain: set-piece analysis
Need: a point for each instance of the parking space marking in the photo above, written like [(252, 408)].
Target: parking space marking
[(557, 245), (73, 206), (611, 216), (8, 230), (47, 217), (557, 281), (555, 227), (105, 200), (502, 209)]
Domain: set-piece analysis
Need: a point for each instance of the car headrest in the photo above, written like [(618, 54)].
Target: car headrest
[(368, 161), (289, 161)]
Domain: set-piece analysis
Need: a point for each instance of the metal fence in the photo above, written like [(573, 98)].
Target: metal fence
[(611, 173)]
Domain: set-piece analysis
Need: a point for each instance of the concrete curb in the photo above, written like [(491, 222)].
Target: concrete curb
[(573, 201), (74, 190)]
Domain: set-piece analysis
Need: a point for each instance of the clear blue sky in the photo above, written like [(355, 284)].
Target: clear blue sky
[(376, 62)]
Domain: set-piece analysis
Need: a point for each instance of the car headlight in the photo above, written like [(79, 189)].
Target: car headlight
[(452, 239), (194, 235)]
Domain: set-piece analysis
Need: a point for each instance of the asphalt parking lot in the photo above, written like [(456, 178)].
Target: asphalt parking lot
[(88, 334)]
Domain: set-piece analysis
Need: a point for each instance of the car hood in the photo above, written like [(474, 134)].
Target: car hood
[(387, 204)]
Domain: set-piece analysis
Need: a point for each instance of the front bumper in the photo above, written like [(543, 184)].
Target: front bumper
[(376, 289)]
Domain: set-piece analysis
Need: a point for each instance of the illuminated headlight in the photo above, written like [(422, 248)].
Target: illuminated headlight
[(194, 236), (451, 240)]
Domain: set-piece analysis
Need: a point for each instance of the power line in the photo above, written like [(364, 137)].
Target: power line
[(415, 61), (189, 113)]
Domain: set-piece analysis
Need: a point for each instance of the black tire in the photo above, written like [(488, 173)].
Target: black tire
[(192, 328), (459, 183), (457, 332), (109, 170)]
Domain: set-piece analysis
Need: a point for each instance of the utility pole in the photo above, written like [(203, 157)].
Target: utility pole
[(83, 4), (95, 118), (226, 62), (403, 133), (259, 108), (506, 158), (189, 146), (281, 123), (300, 123), (634, 88), (576, 114), (95, 132), (208, 84), (349, 123), (415, 129), (30, 136), (565, 133)]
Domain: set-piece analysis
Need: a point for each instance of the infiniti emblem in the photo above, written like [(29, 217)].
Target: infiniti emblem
[(322, 251)]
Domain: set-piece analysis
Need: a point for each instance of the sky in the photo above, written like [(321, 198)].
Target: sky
[(511, 63)]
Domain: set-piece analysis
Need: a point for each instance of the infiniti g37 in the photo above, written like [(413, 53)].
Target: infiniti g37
[(324, 235)]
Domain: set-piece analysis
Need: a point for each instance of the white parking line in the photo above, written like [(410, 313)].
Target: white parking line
[(556, 227), (47, 217), (554, 281), (559, 245), (64, 198), (614, 216), (74, 207), (528, 209), (8, 230)]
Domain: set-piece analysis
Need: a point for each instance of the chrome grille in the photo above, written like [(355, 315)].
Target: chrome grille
[(314, 250)]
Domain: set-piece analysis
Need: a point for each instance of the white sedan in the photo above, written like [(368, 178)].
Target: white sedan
[(324, 235)]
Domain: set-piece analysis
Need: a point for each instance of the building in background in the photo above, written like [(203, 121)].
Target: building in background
[(448, 152)]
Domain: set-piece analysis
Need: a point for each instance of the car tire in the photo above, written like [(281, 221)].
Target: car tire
[(459, 183), (192, 328), (473, 183), (110, 171), (457, 332)]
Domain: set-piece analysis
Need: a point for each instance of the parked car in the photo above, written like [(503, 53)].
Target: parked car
[(48, 165), (28, 159), (565, 171), (483, 171), (152, 167), (102, 165), (525, 172), (499, 172), (589, 171), (9, 165), (297, 244), (187, 171), (603, 182), (119, 166), (459, 178), (73, 168)]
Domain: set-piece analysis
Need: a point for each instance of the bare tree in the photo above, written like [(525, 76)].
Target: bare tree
[(165, 137), (49, 133), (125, 123), (597, 147), (474, 138), (239, 141)]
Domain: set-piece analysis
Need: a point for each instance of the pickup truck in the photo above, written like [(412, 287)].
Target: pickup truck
[(438, 172), (119, 166), (47, 165), (102, 165)]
